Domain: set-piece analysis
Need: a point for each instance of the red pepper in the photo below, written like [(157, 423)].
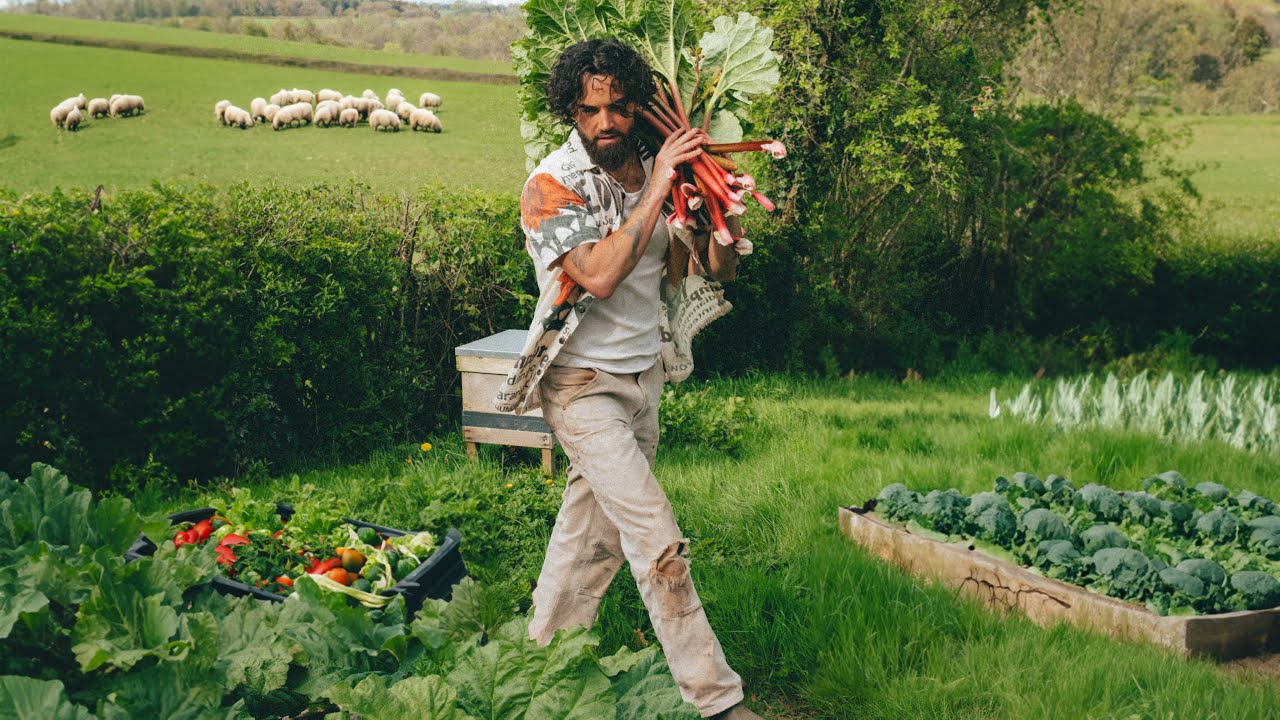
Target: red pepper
[(314, 563), (234, 539), (277, 533), (325, 566), (180, 539), (225, 555), (285, 580), (202, 529)]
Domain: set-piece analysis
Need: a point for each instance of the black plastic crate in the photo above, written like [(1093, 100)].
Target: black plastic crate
[(434, 578)]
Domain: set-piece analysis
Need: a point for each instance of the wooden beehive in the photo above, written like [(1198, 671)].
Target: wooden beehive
[(1045, 601), (484, 365)]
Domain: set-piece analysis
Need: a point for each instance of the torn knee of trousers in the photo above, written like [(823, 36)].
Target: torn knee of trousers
[(669, 575)]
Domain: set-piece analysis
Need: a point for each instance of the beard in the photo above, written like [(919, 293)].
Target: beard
[(612, 155)]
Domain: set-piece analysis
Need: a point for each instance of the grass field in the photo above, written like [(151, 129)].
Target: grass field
[(179, 139), (817, 627), (136, 32), (1240, 177)]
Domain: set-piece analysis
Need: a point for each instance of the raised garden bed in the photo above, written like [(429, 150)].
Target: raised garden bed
[(433, 578), (1005, 586)]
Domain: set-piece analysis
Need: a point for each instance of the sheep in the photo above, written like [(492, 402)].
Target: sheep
[(74, 118), (425, 120), (220, 110), (289, 114), (99, 108), (303, 96), (369, 94), (403, 109), (237, 117), (384, 119), (127, 105), (258, 109), (332, 105), (269, 112), (326, 114), (77, 101), (429, 100), (349, 117), (282, 98), (327, 94), (58, 115), (367, 106), (346, 101), (394, 98)]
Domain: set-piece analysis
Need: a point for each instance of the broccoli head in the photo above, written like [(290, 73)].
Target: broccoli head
[(1029, 484), (1218, 525), (1177, 515), (990, 517), (1177, 581), (1043, 524), (1102, 502), (1123, 572), (943, 511), (1166, 485), (1213, 491), (1252, 590), (1207, 571), (1176, 592), (896, 502), (1102, 536)]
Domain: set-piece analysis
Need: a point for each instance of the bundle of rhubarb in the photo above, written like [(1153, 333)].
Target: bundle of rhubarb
[(706, 82)]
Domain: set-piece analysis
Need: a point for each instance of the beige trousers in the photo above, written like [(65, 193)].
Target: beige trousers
[(615, 510)]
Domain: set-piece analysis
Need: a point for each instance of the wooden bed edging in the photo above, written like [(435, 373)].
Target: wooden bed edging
[(1000, 585)]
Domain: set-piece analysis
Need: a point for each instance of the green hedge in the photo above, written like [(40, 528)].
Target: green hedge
[(212, 331)]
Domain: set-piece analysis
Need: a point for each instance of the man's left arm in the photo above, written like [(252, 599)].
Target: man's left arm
[(722, 260)]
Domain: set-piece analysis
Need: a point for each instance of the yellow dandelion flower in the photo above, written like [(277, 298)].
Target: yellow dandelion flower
[(408, 461), (510, 485), (425, 447), (548, 481)]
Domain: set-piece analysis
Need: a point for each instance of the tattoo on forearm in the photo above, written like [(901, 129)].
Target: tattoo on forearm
[(634, 234)]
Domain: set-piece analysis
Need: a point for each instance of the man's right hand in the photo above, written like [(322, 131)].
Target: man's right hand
[(681, 146)]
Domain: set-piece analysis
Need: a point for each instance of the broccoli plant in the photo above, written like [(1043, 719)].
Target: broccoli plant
[(896, 502), (1213, 492), (1100, 503), (1142, 508), (1176, 593), (1122, 573), (1060, 560), (943, 511), (1102, 536), (1218, 526), (989, 517), (1264, 536), (1253, 506), (1039, 524), (1166, 486), (1253, 590), (1059, 491)]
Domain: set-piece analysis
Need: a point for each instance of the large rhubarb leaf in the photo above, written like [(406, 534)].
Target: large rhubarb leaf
[(16, 600), (646, 690), (23, 698), (254, 654), (737, 55), (413, 698), (666, 29)]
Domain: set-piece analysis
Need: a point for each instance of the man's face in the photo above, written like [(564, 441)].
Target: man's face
[(604, 121)]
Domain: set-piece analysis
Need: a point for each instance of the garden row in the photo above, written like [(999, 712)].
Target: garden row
[(1177, 549), (88, 634)]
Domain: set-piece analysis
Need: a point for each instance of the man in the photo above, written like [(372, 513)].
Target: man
[(593, 218)]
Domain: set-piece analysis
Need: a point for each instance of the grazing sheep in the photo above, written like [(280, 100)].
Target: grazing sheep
[(327, 94), (394, 98), (58, 115), (77, 101), (269, 112), (282, 98), (382, 118), (300, 113), (112, 99), (425, 120), (74, 118), (346, 101), (258, 109), (303, 96), (369, 94), (349, 117), (220, 110), (99, 108), (403, 109), (326, 114), (332, 104), (126, 105), (429, 100), (237, 117)]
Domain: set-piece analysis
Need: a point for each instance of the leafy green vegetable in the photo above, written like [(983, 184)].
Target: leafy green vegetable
[(24, 698), (1218, 525), (1059, 559), (1101, 502), (990, 517), (1040, 524), (1122, 572), (1207, 571), (896, 502), (1215, 492), (1255, 590), (1102, 536), (943, 511)]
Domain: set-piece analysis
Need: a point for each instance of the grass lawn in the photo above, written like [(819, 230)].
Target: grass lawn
[(137, 32), (179, 139), (817, 627)]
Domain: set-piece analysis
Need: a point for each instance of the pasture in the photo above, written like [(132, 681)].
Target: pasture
[(153, 34), (179, 139)]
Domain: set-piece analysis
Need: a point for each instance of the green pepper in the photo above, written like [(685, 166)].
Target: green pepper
[(369, 536), (404, 566), (371, 572), (362, 585)]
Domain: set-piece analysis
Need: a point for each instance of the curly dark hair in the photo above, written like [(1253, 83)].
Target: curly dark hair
[(631, 74)]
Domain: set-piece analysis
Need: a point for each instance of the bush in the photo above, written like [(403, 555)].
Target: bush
[(700, 418), (209, 331)]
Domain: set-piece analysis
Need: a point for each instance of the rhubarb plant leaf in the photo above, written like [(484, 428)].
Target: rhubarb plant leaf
[(738, 54)]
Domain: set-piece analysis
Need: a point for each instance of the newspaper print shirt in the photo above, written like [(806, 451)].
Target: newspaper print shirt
[(566, 202)]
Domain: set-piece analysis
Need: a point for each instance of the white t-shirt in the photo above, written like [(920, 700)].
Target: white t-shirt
[(620, 334)]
